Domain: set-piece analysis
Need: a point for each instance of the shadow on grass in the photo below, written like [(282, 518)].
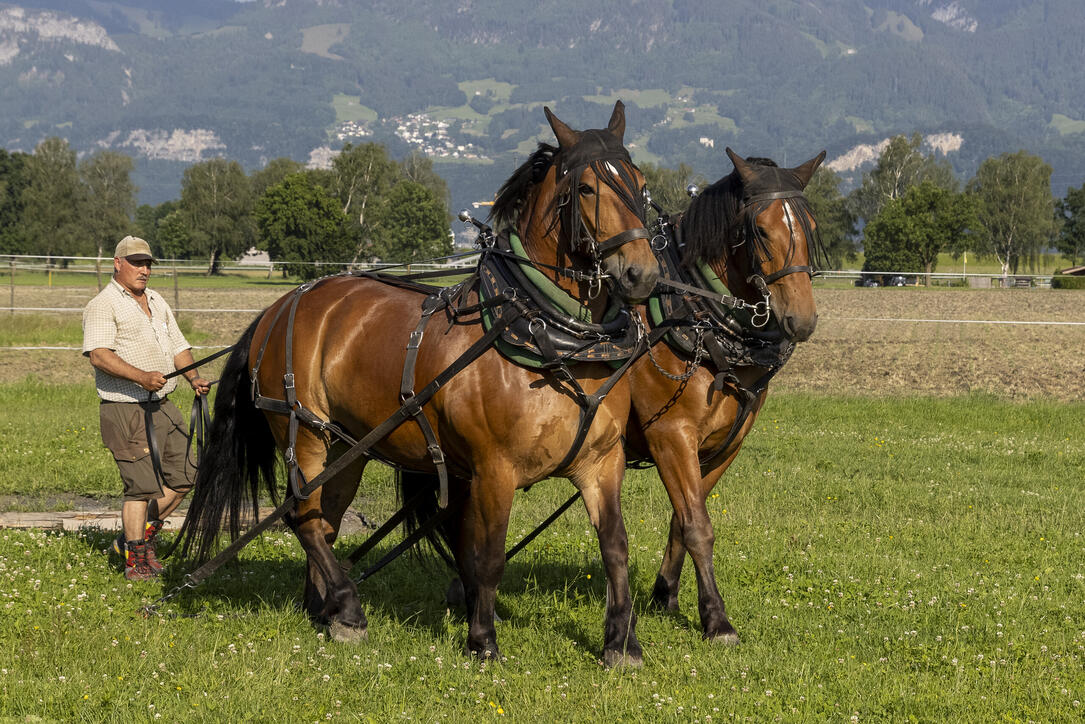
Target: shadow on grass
[(409, 591)]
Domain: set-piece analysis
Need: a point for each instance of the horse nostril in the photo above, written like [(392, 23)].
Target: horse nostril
[(634, 274)]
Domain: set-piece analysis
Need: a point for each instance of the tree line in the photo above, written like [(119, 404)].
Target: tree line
[(911, 207), (366, 207)]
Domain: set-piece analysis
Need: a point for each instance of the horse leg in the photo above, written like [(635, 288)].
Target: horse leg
[(691, 531), (330, 596), (665, 590), (602, 498), (480, 554)]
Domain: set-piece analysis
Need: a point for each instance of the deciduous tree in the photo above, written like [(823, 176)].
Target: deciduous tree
[(1071, 214), (902, 164), (272, 173), (413, 225), (13, 181), (52, 200), (1015, 205), (217, 204), (300, 222), (911, 231), (109, 199), (835, 220), (668, 185), (360, 178)]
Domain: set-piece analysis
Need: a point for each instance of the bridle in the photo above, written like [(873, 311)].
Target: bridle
[(609, 160)]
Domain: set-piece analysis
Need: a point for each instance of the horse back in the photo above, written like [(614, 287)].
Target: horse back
[(349, 342)]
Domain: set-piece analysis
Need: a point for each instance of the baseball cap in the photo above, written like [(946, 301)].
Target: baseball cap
[(134, 249)]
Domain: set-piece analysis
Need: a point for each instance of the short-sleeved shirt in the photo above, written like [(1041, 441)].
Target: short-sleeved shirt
[(115, 320)]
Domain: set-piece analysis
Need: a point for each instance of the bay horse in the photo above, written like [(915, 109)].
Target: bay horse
[(579, 210), (752, 232)]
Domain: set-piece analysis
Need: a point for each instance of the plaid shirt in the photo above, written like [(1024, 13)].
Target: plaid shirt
[(115, 320)]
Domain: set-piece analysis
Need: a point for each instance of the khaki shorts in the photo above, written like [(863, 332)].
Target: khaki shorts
[(124, 432)]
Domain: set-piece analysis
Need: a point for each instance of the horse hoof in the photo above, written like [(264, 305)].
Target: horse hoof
[(623, 659), (486, 653), (347, 634), (725, 639)]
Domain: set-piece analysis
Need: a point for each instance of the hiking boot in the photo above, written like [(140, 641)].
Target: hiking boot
[(149, 533), (135, 562), (153, 526)]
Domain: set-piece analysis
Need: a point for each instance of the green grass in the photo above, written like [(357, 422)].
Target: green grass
[(1065, 126), (890, 560), (1047, 263), (18, 330), (161, 279), (349, 108), (499, 91)]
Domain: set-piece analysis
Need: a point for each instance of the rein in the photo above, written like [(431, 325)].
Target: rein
[(200, 418)]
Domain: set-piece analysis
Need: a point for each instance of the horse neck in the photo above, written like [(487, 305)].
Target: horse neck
[(541, 240)]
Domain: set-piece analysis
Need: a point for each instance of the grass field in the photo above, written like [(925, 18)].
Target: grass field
[(883, 560), (900, 539)]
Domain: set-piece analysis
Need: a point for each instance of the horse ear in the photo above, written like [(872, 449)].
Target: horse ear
[(743, 168), (806, 171), (566, 136), (617, 121)]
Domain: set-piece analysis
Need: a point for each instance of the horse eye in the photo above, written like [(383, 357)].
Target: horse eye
[(585, 190)]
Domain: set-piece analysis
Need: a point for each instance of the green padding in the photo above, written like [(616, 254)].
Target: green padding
[(557, 296), (714, 282)]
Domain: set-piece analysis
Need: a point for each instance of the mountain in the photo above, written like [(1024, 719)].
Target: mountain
[(464, 81)]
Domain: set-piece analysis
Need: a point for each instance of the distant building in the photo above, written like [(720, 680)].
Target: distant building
[(255, 256)]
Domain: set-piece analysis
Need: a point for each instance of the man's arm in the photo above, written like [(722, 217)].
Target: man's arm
[(108, 361), (199, 384)]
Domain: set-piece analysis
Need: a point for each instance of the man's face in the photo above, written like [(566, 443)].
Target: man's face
[(132, 275)]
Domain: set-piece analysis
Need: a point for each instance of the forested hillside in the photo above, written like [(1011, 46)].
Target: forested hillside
[(174, 82)]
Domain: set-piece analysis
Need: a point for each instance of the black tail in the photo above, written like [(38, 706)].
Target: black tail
[(426, 487), (239, 448)]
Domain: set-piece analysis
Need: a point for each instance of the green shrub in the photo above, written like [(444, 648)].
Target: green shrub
[(1065, 281)]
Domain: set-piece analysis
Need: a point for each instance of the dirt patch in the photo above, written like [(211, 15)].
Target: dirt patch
[(850, 353)]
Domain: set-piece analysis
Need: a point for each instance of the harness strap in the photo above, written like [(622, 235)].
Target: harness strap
[(726, 300), (804, 269), (359, 448), (590, 403), (293, 472), (605, 247), (406, 391), (747, 397), (152, 438)]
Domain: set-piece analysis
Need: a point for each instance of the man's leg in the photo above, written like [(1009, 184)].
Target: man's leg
[(134, 519)]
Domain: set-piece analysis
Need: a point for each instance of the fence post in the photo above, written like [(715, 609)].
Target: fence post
[(13, 287), (176, 291)]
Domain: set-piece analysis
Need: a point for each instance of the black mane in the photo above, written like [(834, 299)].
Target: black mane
[(718, 220), (512, 197)]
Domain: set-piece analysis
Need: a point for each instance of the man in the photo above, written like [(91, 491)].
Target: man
[(133, 342)]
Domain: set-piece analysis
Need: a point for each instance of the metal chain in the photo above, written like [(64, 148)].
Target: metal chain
[(691, 365), (151, 609)]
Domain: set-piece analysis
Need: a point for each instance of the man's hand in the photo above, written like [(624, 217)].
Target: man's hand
[(199, 385), (151, 381)]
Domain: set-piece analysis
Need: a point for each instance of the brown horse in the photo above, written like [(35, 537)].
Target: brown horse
[(579, 210), (693, 407)]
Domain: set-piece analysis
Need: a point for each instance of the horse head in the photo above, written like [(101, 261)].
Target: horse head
[(770, 240), (581, 205)]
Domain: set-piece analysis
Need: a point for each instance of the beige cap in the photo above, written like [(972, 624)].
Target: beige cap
[(133, 248)]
